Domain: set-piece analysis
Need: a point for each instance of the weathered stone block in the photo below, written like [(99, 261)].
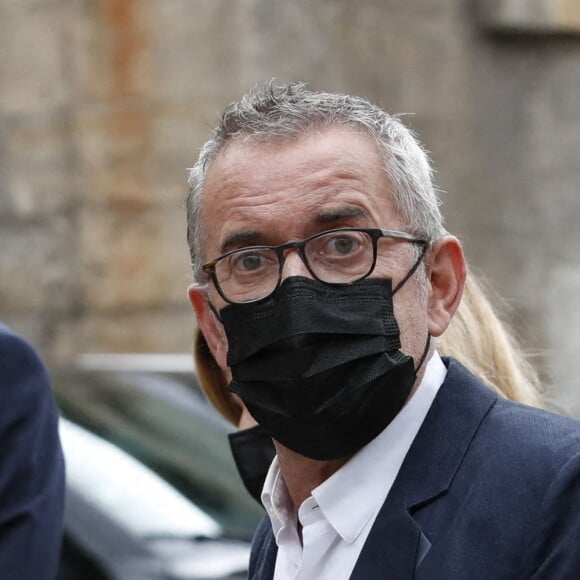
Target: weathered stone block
[(140, 154), (34, 45), (205, 49), (111, 50), (37, 270), (133, 258), (38, 176), (158, 330), (176, 137), (116, 154)]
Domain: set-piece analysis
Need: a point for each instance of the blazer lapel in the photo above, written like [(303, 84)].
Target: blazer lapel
[(396, 545), (391, 549)]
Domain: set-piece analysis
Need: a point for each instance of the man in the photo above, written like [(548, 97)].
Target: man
[(31, 465), (324, 277)]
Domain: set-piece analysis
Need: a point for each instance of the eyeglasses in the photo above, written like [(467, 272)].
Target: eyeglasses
[(339, 256)]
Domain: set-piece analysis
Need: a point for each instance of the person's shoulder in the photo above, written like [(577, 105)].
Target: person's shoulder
[(544, 433), (538, 460), (511, 430), (535, 441), (23, 375), (14, 349), (32, 483)]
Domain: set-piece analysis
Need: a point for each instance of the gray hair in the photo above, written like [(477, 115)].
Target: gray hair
[(285, 111)]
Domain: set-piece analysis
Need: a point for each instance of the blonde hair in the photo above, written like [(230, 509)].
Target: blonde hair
[(482, 342), (476, 337)]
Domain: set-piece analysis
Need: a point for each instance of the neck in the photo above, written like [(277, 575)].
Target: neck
[(302, 474)]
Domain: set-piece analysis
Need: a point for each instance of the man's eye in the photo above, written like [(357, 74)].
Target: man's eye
[(342, 246), (249, 262)]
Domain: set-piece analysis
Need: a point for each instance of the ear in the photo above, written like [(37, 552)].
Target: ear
[(446, 270), (208, 323)]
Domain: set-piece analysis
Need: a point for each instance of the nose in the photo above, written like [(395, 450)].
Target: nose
[(293, 265)]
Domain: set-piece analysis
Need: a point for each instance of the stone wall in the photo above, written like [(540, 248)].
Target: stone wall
[(104, 104)]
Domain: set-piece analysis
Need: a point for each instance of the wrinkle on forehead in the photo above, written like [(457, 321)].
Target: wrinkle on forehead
[(253, 186), (340, 161)]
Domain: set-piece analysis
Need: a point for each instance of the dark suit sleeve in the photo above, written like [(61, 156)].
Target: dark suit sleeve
[(31, 466), (555, 545)]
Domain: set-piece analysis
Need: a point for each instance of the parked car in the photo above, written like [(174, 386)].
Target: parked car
[(152, 490)]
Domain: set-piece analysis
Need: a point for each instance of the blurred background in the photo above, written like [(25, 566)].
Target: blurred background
[(105, 103)]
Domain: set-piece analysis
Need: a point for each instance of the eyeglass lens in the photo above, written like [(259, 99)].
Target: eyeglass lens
[(334, 257)]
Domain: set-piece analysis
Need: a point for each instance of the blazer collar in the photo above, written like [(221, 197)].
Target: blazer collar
[(396, 544)]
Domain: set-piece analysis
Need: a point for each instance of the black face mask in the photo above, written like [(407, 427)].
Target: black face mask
[(319, 366), (253, 453)]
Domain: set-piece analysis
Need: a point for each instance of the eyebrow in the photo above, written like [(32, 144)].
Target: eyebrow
[(256, 237), (340, 214), (240, 239)]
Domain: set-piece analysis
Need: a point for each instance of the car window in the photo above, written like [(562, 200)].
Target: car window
[(167, 425), (128, 491)]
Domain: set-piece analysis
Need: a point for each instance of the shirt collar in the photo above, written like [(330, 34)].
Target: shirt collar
[(276, 500), (366, 479)]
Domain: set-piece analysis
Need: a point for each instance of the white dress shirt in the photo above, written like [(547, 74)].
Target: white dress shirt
[(337, 518)]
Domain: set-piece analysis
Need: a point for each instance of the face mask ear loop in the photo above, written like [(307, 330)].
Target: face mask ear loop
[(411, 271), (424, 355), (214, 310)]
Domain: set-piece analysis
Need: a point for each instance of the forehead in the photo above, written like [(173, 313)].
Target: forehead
[(286, 189)]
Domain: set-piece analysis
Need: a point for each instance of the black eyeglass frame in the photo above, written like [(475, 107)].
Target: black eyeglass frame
[(375, 234)]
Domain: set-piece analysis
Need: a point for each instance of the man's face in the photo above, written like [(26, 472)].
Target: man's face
[(272, 193)]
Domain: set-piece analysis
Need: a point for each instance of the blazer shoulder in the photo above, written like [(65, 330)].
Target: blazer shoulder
[(16, 351), (547, 437), (26, 397), (32, 477), (511, 434), (22, 371)]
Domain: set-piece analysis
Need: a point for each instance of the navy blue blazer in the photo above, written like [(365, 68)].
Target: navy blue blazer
[(490, 490), (31, 466)]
